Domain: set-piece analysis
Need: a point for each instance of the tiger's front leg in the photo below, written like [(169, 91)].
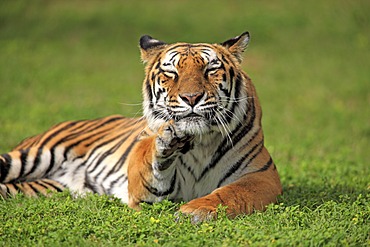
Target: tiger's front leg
[(150, 174), (253, 191)]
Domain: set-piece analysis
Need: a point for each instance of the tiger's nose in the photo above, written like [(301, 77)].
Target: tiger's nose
[(191, 98)]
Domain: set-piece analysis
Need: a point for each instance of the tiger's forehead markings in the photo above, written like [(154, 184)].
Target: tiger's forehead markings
[(174, 54), (208, 54)]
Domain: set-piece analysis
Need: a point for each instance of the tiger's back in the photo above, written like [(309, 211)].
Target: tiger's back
[(200, 139)]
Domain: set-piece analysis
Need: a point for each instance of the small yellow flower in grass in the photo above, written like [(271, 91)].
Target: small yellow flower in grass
[(137, 213), (153, 220), (156, 241), (355, 220)]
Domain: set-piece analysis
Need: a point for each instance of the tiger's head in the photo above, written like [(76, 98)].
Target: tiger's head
[(200, 86)]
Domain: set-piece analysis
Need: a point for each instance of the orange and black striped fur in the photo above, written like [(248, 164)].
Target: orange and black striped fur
[(200, 140)]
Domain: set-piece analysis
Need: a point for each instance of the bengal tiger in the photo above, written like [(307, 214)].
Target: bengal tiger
[(200, 140)]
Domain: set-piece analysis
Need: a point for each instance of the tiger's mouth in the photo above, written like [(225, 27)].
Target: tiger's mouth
[(193, 115), (190, 118)]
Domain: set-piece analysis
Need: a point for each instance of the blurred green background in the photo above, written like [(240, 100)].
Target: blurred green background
[(309, 60)]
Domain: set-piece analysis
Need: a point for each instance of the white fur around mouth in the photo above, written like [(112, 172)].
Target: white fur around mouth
[(194, 125)]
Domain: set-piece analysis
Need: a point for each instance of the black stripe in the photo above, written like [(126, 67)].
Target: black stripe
[(238, 164), (55, 133), (232, 75), (188, 168), (158, 64), (176, 194), (159, 93), (24, 155), (234, 103), (266, 166), (123, 179), (206, 51), (93, 125), (149, 93), (173, 57), (5, 166), (224, 59), (90, 182), (249, 126), (182, 175), (33, 188), (108, 152), (112, 150), (224, 78), (199, 60), (36, 161), (220, 198), (41, 184), (238, 87), (67, 149), (97, 147), (157, 193), (77, 128), (103, 157), (18, 187), (177, 106), (253, 157), (164, 165), (158, 81), (122, 159), (87, 128), (51, 161), (7, 189), (52, 185), (224, 90), (90, 185)]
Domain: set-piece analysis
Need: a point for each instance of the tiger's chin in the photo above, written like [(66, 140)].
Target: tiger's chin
[(194, 125)]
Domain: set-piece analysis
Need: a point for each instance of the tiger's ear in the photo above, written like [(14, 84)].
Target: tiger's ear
[(150, 47), (237, 45)]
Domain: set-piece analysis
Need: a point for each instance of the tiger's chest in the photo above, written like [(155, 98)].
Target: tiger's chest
[(198, 172)]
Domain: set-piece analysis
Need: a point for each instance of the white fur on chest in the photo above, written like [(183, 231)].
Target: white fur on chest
[(191, 167)]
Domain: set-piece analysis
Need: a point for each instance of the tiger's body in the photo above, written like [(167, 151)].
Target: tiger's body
[(200, 140)]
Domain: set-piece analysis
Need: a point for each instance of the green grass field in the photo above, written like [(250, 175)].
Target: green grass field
[(310, 63)]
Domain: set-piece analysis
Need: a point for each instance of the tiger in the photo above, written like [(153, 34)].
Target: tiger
[(199, 141)]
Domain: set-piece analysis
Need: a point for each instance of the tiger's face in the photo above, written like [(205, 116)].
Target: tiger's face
[(199, 86)]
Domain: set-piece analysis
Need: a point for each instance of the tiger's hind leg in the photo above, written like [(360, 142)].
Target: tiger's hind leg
[(31, 189), (25, 171)]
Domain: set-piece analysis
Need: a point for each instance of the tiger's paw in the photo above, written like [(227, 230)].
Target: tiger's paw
[(197, 213), (171, 139)]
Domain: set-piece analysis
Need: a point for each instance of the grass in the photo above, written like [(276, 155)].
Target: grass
[(62, 60)]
